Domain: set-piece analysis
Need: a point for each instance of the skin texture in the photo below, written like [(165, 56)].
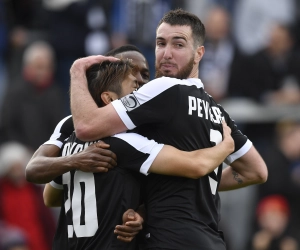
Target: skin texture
[(45, 164), (143, 74), (175, 53)]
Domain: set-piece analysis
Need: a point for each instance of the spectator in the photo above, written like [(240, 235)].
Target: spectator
[(26, 22), (76, 29), (273, 218), (12, 238), (32, 108), (253, 20), (221, 54), (270, 76), (283, 158), (22, 202)]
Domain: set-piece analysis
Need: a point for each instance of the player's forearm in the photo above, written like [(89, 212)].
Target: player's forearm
[(231, 180), (195, 164), (248, 170), (41, 170), (83, 108), (208, 159), (90, 122)]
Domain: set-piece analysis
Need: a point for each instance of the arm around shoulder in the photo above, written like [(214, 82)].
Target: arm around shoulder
[(194, 164), (90, 121), (97, 122)]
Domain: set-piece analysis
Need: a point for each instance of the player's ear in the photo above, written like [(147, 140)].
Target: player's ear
[(199, 54), (108, 96)]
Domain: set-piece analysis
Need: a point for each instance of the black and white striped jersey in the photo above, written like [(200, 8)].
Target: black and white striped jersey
[(61, 133), (95, 202), (181, 213)]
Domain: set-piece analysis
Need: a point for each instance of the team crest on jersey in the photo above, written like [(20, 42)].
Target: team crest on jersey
[(130, 102)]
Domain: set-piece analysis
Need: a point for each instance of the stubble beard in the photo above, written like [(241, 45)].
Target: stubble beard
[(184, 73)]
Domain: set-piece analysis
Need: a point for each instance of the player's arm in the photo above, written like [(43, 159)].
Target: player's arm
[(87, 125), (171, 161), (194, 164), (52, 196), (247, 170), (45, 165)]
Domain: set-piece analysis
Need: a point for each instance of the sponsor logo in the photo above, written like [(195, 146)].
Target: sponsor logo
[(130, 102)]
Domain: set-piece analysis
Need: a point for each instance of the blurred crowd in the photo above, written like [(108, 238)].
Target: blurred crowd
[(252, 53)]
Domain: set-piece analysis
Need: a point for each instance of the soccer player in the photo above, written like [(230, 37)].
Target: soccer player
[(181, 213), (44, 166), (95, 202)]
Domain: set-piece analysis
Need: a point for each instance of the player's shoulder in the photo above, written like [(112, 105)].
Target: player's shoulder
[(62, 131), (67, 121), (136, 141), (132, 138), (162, 84), (171, 81)]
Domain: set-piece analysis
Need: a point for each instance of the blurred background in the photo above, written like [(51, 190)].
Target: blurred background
[(251, 66)]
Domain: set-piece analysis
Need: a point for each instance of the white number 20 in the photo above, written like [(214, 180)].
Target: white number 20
[(88, 206)]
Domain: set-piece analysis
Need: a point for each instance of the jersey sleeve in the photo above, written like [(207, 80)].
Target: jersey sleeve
[(57, 183), (61, 132), (241, 141), (154, 102), (135, 152)]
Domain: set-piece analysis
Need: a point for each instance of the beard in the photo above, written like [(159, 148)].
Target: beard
[(184, 73)]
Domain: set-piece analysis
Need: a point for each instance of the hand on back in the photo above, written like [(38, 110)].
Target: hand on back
[(95, 158)]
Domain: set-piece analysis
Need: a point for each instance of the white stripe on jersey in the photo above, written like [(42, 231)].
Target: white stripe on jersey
[(56, 185), (56, 134), (243, 150), (143, 145), (146, 93)]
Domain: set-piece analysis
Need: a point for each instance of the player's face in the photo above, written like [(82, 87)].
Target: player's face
[(129, 84), (175, 52), (142, 75)]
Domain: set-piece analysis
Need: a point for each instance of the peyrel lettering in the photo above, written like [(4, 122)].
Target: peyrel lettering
[(74, 147), (202, 109)]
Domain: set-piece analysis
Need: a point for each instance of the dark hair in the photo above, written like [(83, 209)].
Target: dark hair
[(121, 49), (181, 17), (107, 76)]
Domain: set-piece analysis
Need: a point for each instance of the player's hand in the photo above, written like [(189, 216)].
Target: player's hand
[(82, 64), (96, 158), (227, 138), (132, 225)]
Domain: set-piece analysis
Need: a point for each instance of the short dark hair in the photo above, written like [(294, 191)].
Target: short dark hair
[(107, 76), (181, 17), (121, 49)]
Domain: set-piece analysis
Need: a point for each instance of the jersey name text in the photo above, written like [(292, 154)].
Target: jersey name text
[(202, 109)]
